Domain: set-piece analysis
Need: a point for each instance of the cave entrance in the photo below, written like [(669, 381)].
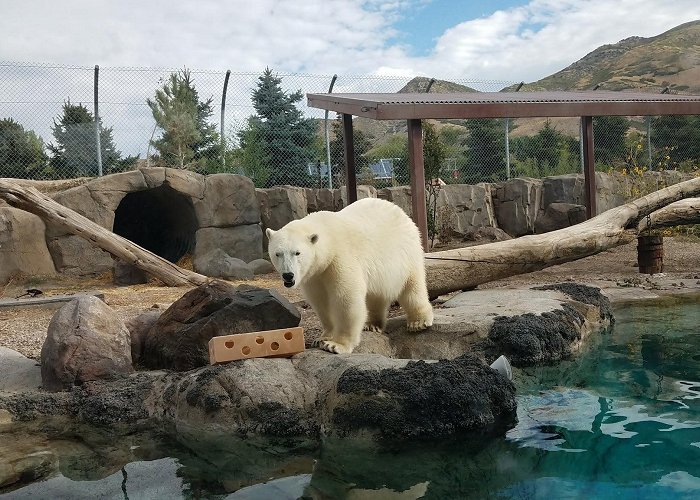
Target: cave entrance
[(160, 220)]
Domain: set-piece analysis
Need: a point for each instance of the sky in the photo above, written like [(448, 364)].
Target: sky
[(512, 40)]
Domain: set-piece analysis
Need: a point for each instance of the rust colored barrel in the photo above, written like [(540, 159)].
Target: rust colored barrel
[(650, 254)]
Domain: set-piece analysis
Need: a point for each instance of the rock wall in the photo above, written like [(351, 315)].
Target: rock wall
[(230, 215)]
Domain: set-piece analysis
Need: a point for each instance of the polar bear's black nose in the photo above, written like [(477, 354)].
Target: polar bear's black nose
[(288, 276)]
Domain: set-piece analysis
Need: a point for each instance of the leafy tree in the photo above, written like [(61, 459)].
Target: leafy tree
[(395, 148), (361, 145), (188, 139), (676, 138), (280, 139), (548, 152), (434, 151), (74, 154), (485, 150), (21, 151), (609, 133)]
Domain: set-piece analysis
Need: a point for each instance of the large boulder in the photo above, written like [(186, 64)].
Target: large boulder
[(280, 205), (179, 339), (22, 246), (363, 191), (516, 205), (228, 200), (399, 195), (323, 199), (86, 340), (560, 215), (468, 205), (242, 242), (219, 264)]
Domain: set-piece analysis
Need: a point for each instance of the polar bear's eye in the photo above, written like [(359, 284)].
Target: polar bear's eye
[(278, 254), (297, 253)]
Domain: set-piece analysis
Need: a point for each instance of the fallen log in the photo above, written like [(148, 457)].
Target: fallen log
[(466, 268), (31, 200)]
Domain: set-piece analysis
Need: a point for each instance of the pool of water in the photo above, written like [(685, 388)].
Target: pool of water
[(620, 421)]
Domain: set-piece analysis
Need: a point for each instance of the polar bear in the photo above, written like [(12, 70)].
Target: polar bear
[(351, 266)]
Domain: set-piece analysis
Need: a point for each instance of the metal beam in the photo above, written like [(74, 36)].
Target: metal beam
[(417, 170), (350, 177), (588, 165)]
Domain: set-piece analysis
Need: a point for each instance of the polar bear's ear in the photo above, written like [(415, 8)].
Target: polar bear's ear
[(313, 238), (269, 232)]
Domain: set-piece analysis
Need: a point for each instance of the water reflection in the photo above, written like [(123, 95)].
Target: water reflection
[(620, 421)]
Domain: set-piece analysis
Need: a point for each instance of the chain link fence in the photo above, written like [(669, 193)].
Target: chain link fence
[(59, 122)]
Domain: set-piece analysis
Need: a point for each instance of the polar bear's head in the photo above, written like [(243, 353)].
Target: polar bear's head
[(292, 251)]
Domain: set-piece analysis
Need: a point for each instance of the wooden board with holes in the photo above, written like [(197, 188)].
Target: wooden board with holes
[(277, 343)]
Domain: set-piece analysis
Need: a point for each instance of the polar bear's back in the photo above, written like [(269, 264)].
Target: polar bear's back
[(381, 222), (383, 242)]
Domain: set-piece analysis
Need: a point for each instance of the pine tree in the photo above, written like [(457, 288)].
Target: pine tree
[(486, 150), (280, 137), (188, 138), (21, 151), (75, 154)]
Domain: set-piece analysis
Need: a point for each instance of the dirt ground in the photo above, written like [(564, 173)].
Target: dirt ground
[(24, 329)]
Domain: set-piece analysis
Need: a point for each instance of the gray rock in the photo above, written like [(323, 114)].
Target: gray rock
[(86, 341), (399, 195), (228, 200), (23, 249), (124, 274), (219, 264), (280, 205), (138, 327), (76, 256), (516, 205), (471, 206), (323, 199), (563, 189), (241, 242), (179, 339), (261, 266), (363, 191), (19, 373), (559, 216)]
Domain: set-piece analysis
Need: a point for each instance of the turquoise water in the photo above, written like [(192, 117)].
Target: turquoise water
[(620, 421)]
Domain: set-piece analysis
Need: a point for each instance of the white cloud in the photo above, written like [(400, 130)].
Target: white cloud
[(325, 36)]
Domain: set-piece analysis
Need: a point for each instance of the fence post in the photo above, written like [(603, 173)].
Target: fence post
[(97, 122), (328, 144), (520, 85), (223, 108)]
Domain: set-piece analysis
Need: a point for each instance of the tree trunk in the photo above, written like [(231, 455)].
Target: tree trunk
[(31, 200), (466, 268)]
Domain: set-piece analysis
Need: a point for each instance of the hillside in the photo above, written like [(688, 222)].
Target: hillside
[(671, 59)]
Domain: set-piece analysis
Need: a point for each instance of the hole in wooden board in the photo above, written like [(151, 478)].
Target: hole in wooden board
[(274, 346), (288, 335), (259, 340), (246, 350), (229, 344)]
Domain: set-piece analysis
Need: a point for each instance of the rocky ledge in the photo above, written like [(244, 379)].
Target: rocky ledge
[(396, 386)]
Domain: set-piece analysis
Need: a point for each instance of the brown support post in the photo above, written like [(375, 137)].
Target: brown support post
[(415, 160), (588, 166), (350, 177)]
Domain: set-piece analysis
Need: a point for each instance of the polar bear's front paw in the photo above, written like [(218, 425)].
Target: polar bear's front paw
[(334, 347), (417, 326), (369, 327)]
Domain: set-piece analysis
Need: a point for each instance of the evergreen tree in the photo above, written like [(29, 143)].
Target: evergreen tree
[(188, 138), (75, 154), (281, 138), (361, 145), (609, 133), (434, 151), (485, 150), (22, 153)]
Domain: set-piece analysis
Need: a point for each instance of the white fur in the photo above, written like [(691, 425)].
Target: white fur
[(351, 265)]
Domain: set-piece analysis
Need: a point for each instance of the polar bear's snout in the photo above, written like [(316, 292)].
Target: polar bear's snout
[(288, 279)]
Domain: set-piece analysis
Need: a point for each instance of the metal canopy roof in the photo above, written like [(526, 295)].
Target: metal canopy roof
[(506, 104)]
